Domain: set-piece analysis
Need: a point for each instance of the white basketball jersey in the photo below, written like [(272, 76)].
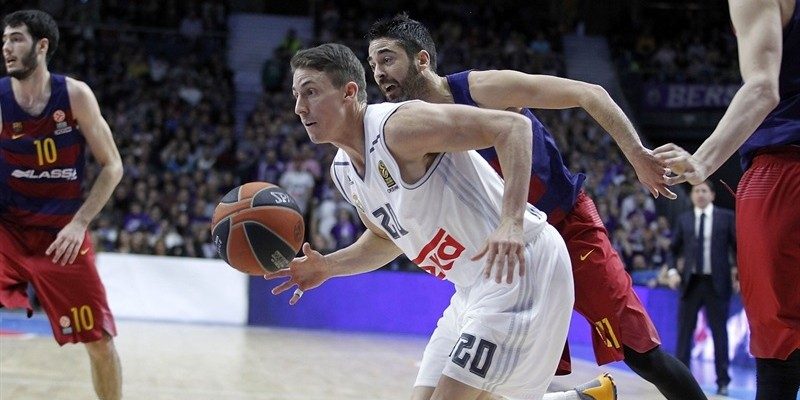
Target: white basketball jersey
[(440, 221)]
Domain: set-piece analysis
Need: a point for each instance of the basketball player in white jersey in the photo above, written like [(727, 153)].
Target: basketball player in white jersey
[(409, 170)]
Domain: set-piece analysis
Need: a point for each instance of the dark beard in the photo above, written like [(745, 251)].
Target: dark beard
[(412, 87), (29, 65)]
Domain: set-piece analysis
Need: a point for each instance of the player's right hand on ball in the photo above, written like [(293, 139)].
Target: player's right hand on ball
[(305, 272)]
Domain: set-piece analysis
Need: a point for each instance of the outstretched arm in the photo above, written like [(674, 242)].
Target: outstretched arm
[(507, 89), (760, 36), (95, 130)]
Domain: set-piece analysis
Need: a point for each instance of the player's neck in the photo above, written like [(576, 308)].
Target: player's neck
[(352, 139), (33, 88), (437, 90)]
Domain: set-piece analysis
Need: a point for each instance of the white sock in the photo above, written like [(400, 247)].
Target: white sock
[(568, 395)]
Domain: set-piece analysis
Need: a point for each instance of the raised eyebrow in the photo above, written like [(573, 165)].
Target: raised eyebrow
[(305, 83), (381, 51)]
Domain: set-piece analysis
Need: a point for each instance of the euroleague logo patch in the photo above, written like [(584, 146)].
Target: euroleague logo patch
[(59, 116), (66, 325), (62, 126), (387, 177)]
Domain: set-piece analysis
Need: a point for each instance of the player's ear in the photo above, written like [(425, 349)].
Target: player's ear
[(351, 91), (43, 45), (423, 59)]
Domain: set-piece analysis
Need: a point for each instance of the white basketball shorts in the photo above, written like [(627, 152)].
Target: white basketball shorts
[(504, 338)]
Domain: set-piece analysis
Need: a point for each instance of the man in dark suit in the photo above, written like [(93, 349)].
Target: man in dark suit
[(704, 241)]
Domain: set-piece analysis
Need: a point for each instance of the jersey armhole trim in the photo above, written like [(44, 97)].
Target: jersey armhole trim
[(391, 159), (338, 182)]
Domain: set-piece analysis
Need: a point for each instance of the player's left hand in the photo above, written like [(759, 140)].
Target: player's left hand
[(306, 272), (504, 251), (650, 172), (67, 244), (685, 166)]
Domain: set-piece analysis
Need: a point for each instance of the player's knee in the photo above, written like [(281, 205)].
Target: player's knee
[(422, 393), (101, 349), (642, 362)]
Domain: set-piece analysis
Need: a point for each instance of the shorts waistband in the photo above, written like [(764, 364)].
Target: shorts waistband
[(789, 152), (784, 149)]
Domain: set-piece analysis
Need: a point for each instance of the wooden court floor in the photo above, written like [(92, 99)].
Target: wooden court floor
[(201, 362)]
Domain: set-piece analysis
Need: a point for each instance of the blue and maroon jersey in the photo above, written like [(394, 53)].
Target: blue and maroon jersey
[(782, 125), (554, 188), (42, 160)]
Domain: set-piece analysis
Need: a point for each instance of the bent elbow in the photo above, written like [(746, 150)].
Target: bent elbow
[(598, 90), (514, 130), (525, 121), (594, 91), (766, 91), (592, 95), (524, 125), (773, 98), (115, 171)]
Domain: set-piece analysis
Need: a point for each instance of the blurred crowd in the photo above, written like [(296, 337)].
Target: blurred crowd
[(695, 46), (169, 102), (169, 99), (203, 15)]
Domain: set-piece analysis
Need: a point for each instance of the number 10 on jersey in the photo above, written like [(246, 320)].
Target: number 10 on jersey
[(46, 151)]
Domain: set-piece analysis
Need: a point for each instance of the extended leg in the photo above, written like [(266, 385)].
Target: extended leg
[(778, 379), (670, 376), (106, 368)]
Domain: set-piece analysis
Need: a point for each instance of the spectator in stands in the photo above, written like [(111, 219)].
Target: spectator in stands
[(540, 45), (191, 26), (638, 202), (298, 182), (269, 168), (345, 231), (137, 219), (273, 71), (291, 43), (323, 220)]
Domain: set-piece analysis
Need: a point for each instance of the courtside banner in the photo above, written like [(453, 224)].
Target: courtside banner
[(380, 301), (686, 97), (173, 289)]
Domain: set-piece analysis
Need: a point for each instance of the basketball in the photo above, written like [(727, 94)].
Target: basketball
[(257, 228)]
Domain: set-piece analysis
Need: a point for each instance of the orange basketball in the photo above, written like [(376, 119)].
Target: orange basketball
[(257, 228)]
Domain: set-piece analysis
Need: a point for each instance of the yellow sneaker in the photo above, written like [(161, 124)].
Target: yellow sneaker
[(600, 388)]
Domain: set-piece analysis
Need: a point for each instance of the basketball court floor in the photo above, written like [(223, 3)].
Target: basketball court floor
[(212, 362)]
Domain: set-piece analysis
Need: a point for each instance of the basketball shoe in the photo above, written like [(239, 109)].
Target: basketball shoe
[(600, 388)]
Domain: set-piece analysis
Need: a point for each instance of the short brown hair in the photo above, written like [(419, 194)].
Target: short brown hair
[(337, 61)]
